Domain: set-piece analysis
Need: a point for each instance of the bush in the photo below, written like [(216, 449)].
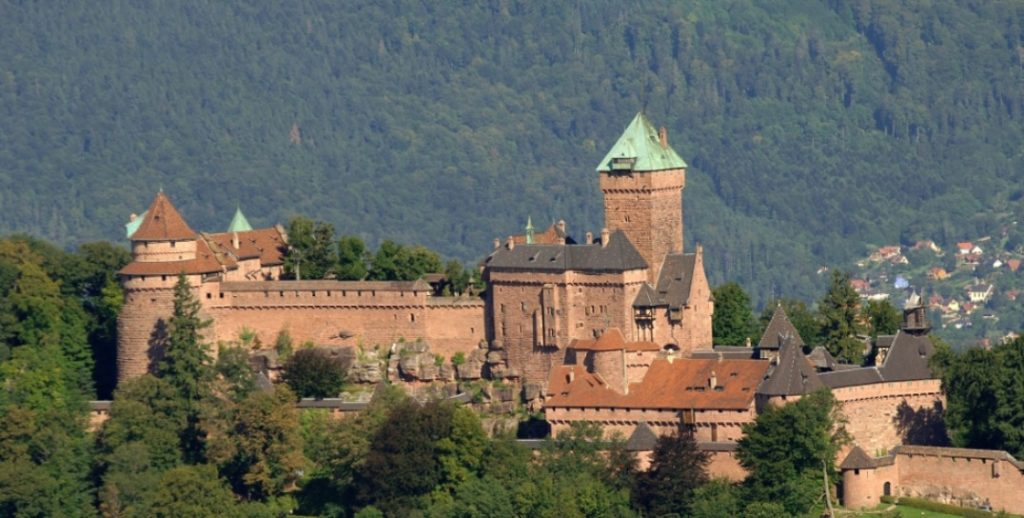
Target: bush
[(314, 373), (459, 358)]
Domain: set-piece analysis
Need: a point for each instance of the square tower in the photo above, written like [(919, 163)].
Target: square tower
[(642, 179)]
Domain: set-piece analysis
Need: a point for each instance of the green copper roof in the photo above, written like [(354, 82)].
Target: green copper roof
[(639, 149), (132, 226), (239, 223)]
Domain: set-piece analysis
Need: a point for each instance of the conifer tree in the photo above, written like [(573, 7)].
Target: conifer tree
[(678, 468), (187, 365), (733, 321), (839, 311)]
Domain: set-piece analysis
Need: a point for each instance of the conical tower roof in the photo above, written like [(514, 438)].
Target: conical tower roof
[(640, 149), (238, 222), (163, 223)]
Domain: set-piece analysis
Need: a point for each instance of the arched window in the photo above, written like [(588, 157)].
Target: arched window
[(887, 489)]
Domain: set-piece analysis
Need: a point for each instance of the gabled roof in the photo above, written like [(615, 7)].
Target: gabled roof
[(908, 358), (675, 385), (641, 143), (794, 375), (238, 222), (675, 279), (163, 223), (642, 439), (617, 256), (268, 244), (779, 329)]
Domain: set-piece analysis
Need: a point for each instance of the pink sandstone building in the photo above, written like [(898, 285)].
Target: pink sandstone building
[(543, 293)]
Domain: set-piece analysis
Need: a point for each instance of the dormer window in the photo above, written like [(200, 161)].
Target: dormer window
[(623, 163)]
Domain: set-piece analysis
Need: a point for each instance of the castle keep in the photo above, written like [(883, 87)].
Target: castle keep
[(542, 294)]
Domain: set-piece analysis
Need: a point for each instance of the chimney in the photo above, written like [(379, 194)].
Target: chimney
[(561, 231), (605, 236), (234, 240), (133, 217), (713, 381), (510, 244), (571, 376), (590, 238), (663, 137), (497, 243)]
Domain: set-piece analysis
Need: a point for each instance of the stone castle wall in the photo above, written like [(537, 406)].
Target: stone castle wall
[(346, 317), (883, 415), (964, 477), (719, 426)]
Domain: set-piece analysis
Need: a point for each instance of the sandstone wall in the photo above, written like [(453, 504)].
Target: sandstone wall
[(966, 480), (648, 207), (724, 464), (883, 415), (142, 323)]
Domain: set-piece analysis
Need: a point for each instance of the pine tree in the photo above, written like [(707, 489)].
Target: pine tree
[(839, 311), (733, 322), (187, 365)]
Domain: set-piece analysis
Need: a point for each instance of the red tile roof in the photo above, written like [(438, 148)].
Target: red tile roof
[(679, 384), (206, 261), (267, 244), (163, 223)]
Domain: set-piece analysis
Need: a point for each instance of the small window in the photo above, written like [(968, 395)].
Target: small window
[(163, 277), (172, 244), (221, 295), (412, 317), (209, 295)]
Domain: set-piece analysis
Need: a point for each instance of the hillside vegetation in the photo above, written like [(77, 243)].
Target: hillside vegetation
[(812, 128)]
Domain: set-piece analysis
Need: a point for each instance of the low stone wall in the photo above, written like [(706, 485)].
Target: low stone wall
[(958, 476)]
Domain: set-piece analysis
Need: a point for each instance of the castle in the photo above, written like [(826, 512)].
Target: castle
[(615, 329), (543, 293)]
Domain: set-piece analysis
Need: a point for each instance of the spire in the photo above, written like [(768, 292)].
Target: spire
[(162, 222), (641, 148), (529, 230), (238, 222)]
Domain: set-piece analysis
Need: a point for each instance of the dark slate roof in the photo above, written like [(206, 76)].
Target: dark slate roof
[(340, 404), (779, 328), (619, 255), (647, 298), (643, 438), (908, 358), (793, 375), (858, 459), (726, 352), (675, 278), (884, 340), (822, 359), (851, 377)]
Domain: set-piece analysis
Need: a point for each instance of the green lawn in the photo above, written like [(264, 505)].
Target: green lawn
[(908, 512)]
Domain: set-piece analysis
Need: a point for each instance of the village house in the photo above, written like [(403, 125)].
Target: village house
[(980, 293)]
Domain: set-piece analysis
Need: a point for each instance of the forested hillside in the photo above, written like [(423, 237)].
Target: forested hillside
[(812, 128)]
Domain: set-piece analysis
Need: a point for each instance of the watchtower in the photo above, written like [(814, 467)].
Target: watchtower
[(642, 179)]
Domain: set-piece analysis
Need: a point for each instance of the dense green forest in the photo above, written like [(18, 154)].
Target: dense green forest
[(812, 128)]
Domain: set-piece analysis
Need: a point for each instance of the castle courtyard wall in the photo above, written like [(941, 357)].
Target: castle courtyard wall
[(873, 412), (334, 315)]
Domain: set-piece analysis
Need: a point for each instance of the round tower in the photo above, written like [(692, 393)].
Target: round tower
[(163, 246), (642, 179)]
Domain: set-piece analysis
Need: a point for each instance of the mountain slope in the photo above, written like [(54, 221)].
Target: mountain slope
[(811, 128)]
